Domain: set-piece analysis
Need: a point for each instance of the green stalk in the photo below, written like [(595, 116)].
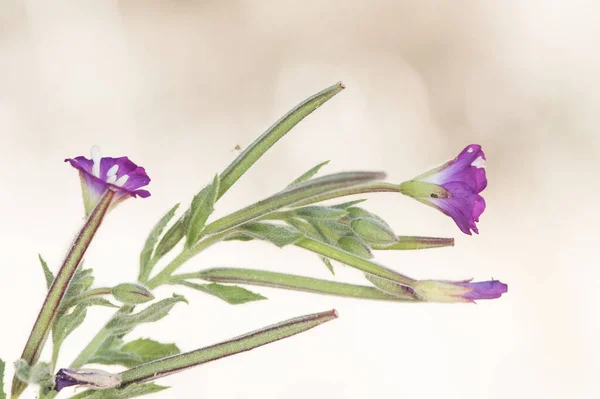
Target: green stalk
[(185, 255), (291, 282), (415, 242), (57, 290), (354, 261), (160, 368), (291, 196), (373, 187), (262, 144)]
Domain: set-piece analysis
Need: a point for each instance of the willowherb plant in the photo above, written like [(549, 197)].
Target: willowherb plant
[(344, 232)]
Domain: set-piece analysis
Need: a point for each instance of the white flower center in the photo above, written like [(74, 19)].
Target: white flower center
[(96, 157), (479, 162), (121, 180)]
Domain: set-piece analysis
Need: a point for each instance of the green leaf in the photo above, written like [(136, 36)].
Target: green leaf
[(149, 350), (291, 196), (327, 263), (131, 391), (279, 129), (133, 353), (171, 237), (308, 174), (81, 282), (2, 366), (146, 254), (123, 323), (280, 235), (202, 207), (320, 212), (231, 294), (47, 273), (66, 324)]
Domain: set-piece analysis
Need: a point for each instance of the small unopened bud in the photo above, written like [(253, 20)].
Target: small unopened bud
[(458, 291), (132, 294), (355, 246), (373, 231), (86, 378)]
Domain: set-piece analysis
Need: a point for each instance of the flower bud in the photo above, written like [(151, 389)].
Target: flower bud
[(373, 231), (458, 291), (86, 378), (132, 294), (355, 246)]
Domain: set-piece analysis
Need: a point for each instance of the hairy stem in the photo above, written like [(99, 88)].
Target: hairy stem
[(291, 282), (354, 261), (47, 315), (160, 368)]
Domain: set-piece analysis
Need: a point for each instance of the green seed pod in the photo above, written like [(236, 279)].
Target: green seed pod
[(373, 231), (355, 246), (132, 294)]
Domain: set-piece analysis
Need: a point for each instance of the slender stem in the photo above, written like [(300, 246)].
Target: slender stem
[(262, 144), (373, 187), (57, 290), (160, 368), (291, 282), (354, 261), (96, 342), (186, 254), (88, 294), (415, 242), (292, 195)]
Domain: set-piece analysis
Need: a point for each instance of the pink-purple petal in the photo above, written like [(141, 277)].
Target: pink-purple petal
[(484, 290), (97, 186), (463, 178)]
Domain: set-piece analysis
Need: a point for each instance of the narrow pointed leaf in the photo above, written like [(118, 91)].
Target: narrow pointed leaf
[(280, 235), (66, 324), (246, 342), (146, 254), (133, 353), (123, 323), (354, 261), (262, 144), (172, 237), (290, 196), (47, 273), (202, 206), (308, 174), (150, 350), (231, 294), (327, 262)]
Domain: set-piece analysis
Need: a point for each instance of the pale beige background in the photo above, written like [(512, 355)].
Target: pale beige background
[(177, 84)]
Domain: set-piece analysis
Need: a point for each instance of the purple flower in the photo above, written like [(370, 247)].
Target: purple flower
[(98, 175), (454, 188), (459, 291), (86, 378)]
